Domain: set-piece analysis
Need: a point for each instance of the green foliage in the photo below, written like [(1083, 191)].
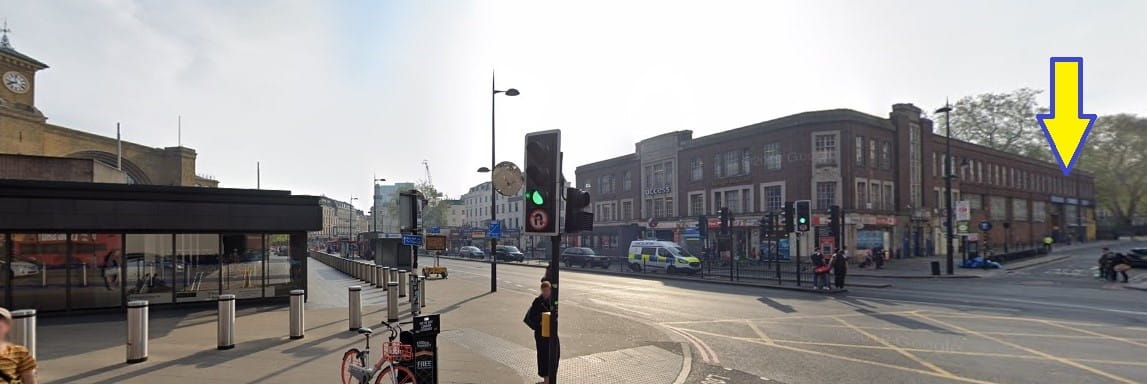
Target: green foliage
[(1003, 121), (1116, 153)]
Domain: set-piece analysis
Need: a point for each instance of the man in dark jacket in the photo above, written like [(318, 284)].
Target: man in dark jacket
[(534, 321), (839, 263)]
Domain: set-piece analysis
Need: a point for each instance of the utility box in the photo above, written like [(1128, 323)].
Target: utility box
[(423, 336)]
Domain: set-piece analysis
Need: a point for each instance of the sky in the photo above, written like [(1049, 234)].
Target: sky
[(328, 95)]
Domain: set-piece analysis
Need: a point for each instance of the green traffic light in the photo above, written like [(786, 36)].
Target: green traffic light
[(535, 197), (802, 220)]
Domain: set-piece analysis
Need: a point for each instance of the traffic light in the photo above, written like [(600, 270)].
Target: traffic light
[(726, 219), (543, 172), (790, 218), (577, 219), (767, 224), (834, 219), (804, 215), (702, 225)]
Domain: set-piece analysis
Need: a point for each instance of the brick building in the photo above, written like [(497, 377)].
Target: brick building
[(886, 173)]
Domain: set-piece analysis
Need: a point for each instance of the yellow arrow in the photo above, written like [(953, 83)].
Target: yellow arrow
[(1065, 126)]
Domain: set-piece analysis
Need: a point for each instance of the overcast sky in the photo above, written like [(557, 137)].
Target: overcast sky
[(328, 93)]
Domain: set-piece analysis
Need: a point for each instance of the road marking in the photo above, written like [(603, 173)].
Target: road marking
[(1096, 334), (846, 358), (621, 307), (866, 314), (1029, 350), (909, 330), (896, 348), (759, 332), (696, 344), (1024, 301)]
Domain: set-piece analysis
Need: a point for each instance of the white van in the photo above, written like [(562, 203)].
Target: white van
[(647, 255)]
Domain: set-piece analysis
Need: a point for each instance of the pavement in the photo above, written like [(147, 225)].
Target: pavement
[(920, 267)]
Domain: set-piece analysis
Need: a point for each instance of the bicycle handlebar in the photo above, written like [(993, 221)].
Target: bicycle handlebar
[(395, 330)]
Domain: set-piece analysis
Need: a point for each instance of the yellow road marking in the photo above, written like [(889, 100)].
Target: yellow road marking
[(846, 358), (1011, 318), (1029, 350), (1018, 334), (759, 332), (1096, 334), (788, 317), (896, 348)]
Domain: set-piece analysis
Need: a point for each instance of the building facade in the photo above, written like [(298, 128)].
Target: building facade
[(385, 198), (24, 130), (337, 220), (885, 173)]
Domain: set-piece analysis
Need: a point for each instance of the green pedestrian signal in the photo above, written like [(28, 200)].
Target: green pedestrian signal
[(802, 220), (535, 197)]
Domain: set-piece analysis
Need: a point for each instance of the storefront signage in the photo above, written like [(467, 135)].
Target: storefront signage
[(1085, 203), (659, 190), (731, 181), (963, 210), (1057, 199), (1073, 201)]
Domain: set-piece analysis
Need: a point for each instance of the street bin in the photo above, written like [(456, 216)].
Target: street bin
[(935, 268), (297, 324), (137, 331), (423, 336), (226, 325)]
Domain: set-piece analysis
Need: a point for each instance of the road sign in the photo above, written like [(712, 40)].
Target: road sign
[(652, 223), (412, 240), (963, 210), (494, 231), (538, 220), (435, 243), (435, 230), (985, 226), (962, 227)]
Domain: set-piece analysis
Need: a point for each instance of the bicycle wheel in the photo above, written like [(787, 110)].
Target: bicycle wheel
[(395, 374), (351, 357)]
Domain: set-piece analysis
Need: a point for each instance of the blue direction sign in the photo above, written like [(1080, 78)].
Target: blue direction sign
[(413, 240), (985, 226), (435, 230), (494, 231)]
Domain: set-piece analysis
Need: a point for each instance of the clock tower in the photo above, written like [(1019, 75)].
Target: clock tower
[(18, 78)]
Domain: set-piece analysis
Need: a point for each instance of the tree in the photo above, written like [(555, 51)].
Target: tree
[(1002, 121), (437, 206), (1116, 153)]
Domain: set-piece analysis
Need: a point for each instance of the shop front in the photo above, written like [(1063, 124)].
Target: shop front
[(74, 246)]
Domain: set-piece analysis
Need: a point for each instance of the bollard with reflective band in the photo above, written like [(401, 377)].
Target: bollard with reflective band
[(137, 331), (226, 322), (402, 283), (296, 314), (84, 275), (393, 275), (378, 283), (386, 278), (354, 307), (422, 291), (392, 302), (24, 329)]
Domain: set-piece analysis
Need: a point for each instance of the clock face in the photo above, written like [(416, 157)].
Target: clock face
[(507, 178), (16, 82)]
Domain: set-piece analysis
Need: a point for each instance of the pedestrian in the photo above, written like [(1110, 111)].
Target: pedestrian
[(110, 270), (839, 263), (1105, 264), (16, 363), (1047, 242), (550, 271), (533, 319), (878, 256), (820, 270), (1119, 265)]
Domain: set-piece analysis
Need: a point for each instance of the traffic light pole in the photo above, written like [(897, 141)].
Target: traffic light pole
[(798, 256), (555, 242)]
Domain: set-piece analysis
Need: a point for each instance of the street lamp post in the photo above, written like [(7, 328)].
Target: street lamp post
[(494, 194), (374, 206), (947, 110)]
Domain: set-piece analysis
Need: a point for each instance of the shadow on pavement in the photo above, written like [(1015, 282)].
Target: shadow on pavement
[(776, 305), (451, 307)]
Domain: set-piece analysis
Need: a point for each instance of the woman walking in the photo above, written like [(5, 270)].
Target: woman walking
[(820, 271), (839, 263)]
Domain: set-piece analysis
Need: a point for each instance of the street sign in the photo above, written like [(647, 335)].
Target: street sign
[(435, 230), (963, 210), (435, 243), (962, 227), (412, 240), (652, 223), (985, 226), (494, 231), (538, 220)]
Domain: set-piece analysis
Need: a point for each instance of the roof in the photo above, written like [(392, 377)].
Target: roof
[(12, 52), (803, 118), (607, 162)]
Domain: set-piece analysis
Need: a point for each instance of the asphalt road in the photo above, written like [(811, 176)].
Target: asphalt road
[(1045, 324)]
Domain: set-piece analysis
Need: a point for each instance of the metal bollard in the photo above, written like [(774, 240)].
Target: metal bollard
[(378, 283), (393, 275), (415, 310), (422, 291), (137, 331), (24, 329), (297, 323), (84, 274), (392, 302), (402, 283), (386, 278), (372, 271), (354, 307), (226, 322)]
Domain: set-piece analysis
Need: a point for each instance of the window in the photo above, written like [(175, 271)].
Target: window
[(733, 201), (774, 197), (861, 195), (732, 163), (859, 151), (737, 200), (874, 195), (697, 168), (1039, 212), (773, 156), (627, 210), (914, 166), (627, 181), (872, 153), (696, 204), (885, 156), (102, 254), (974, 201), (888, 198), (825, 194), (825, 149), (999, 207), (605, 184), (1019, 210)]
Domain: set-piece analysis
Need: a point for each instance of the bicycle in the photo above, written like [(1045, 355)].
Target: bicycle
[(355, 371)]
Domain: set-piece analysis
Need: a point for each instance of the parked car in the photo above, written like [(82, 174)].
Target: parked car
[(1138, 257), (23, 268), (584, 257), (471, 252), (509, 253)]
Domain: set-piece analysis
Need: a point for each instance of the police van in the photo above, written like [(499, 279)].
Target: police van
[(645, 255)]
